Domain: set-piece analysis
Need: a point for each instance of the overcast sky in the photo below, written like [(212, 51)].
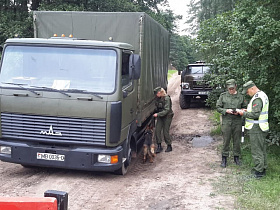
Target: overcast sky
[(180, 8)]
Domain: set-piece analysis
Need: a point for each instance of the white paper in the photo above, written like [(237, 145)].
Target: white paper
[(61, 84)]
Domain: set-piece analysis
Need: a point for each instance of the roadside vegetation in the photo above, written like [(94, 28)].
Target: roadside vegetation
[(171, 72), (250, 193), (242, 42), (216, 119)]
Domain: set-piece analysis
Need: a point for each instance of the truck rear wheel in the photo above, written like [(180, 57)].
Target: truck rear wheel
[(184, 102)]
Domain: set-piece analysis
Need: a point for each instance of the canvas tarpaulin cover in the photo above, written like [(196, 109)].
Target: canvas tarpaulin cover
[(148, 38)]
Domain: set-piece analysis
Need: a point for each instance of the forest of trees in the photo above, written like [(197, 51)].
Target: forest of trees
[(241, 38)]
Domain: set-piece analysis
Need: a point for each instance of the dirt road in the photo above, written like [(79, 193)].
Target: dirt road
[(180, 179)]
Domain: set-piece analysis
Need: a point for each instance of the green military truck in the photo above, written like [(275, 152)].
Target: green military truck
[(78, 103), (193, 87)]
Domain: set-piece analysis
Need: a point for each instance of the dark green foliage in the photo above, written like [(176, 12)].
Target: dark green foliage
[(15, 20), (182, 51), (213, 97), (206, 9), (244, 44)]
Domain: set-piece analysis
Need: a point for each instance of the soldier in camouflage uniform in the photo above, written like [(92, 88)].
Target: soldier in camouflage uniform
[(164, 115), (231, 121), (256, 123)]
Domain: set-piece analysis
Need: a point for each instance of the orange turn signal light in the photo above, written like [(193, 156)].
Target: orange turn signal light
[(71, 36), (114, 159), (62, 35)]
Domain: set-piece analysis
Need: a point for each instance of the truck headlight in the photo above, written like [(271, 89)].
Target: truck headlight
[(5, 150), (108, 159), (185, 85)]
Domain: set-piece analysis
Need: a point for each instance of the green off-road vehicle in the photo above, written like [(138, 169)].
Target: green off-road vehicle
[(193, 88)]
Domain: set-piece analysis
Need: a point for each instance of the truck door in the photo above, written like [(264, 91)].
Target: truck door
[(129, 93)]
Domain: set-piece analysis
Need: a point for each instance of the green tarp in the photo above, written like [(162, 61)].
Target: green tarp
[(148, 38)]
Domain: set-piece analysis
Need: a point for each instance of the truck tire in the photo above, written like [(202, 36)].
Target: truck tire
[(28, 166), (184, 102), (123, 170)]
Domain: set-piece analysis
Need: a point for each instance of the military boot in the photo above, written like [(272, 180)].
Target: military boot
[(169, 148), (224, 162), (236, 160), (259, 174), (159, 148)]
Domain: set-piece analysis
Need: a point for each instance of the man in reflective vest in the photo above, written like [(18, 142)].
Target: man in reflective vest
[(256, 123)]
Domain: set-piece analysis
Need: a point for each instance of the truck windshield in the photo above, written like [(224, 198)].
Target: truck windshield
[(62, 68), (199, 69)]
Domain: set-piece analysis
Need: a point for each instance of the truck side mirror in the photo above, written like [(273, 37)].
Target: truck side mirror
[(179, 72), (1, 49), (134, 66)]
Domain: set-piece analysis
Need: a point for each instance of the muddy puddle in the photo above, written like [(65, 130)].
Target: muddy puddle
[(202, 141)]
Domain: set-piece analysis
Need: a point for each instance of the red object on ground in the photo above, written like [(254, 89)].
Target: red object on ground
[(22, 203)]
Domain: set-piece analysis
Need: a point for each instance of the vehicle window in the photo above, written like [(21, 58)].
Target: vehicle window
[(64, 68), (196, 70), (125, 69), (206, 69)]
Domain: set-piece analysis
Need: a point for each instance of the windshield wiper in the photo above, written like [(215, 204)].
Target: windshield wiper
[(84, 91), (52, 89), (21, 86), (197, 72)]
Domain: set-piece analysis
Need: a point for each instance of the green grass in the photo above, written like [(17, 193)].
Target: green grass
[(216, 119), (251, 193), (171, 72), (262, 193)]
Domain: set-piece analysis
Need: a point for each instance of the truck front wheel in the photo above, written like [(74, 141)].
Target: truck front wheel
[(123, 170), (184, 101)]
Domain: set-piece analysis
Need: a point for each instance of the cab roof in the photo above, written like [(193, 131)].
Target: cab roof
[(69, 42)]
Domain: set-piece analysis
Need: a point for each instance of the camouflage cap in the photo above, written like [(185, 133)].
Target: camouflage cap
[(156, 90), (231, 83), (247, 85)]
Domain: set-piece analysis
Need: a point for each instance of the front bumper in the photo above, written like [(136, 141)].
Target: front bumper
[(79, 158), (187, 92)]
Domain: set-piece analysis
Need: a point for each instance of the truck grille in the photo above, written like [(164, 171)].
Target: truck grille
[(53, 129), (196, 85)]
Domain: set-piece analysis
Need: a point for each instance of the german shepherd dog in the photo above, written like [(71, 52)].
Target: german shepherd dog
[(148, 146)]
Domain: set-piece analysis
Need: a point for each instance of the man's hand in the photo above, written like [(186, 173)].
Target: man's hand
[(241, 112), (155, 115), (229, 111), (236, 113)]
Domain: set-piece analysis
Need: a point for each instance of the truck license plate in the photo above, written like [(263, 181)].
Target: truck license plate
[(203, 93), (49, 156)]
